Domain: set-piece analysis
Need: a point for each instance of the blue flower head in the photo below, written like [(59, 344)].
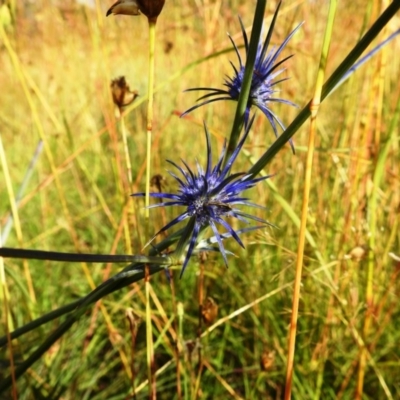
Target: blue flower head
[(209, 197), (263, 85)]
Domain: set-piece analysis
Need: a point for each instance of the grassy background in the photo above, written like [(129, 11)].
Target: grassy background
[(55, 85)]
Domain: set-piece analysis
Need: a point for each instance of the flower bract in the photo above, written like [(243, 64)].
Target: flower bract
[(210, 196)]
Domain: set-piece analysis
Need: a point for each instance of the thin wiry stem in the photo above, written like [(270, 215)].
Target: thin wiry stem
[(126, 150), (149, 338)]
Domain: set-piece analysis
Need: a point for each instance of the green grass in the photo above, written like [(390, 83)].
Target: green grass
[(66, 58)]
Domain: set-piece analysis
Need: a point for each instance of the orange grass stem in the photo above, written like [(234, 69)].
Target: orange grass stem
[(306, 195)]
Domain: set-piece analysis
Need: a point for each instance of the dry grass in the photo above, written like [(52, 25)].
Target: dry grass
[(78, 200)]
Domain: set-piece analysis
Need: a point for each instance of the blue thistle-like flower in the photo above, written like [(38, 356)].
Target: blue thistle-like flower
[(210, 196), (263, 85)]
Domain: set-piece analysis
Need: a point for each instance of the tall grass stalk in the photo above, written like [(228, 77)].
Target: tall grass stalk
[(150, 110), (18, 68), (19, 72), (126, 149), (373, 209), (15, 215), (149, 339), (18, 229), (10, 220), (182, 349), (379, 171), (131, 210), (4, 295), (177, 346), (314, 107), (149, 128), (201, 289)]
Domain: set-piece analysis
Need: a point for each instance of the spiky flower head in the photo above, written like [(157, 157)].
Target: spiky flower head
[(263, 84), (209, 197)]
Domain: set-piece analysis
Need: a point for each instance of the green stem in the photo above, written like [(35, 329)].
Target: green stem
[(248, 74), (7, 252), (150, 110), (152, 42)]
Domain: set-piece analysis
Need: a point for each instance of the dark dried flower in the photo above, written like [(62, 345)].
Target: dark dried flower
[(158, 182), (150, 8), (267, 360), (122, 95), (209, 311), (124, 7)]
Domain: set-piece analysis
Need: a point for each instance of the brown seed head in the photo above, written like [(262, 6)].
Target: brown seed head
[(124, 7), (158, 181), (209, 311), (358, 253), (267, 360), (122, 95), (151, 8)]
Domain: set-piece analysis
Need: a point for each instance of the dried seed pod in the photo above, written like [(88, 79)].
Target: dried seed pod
[(358, 253), (209, 311), (158, 182), (122, 95), (124, 7), (150, 8), (267, 360)]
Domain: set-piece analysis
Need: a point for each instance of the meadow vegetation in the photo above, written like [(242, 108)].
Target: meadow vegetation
[(55, 76)]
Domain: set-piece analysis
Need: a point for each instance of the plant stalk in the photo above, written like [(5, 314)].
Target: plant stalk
[(150, 113), (314, 107)]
